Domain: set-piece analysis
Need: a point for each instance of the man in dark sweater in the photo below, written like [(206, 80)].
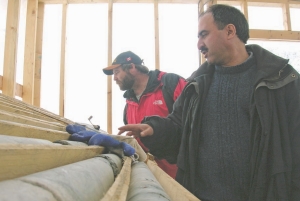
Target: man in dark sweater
[(235, 129)]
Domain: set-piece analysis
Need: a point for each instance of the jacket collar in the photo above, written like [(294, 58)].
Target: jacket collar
[(153, 83), (268, 64)]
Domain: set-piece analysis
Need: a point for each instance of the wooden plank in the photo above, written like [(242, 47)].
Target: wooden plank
[(118, 191), (275, 35), (8, 116), (36, 110), (109, 61), (38, 56), (245, 9), (24, 111), (156, 31), (116, 1), (1, 82), (62, 61), (294, 4), (18, 160), (22, 130), (286, 16), (172, 187), (19, 90), (30, 46), (10, 52)]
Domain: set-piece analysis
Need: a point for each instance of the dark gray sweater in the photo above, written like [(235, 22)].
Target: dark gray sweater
[(224, 147)]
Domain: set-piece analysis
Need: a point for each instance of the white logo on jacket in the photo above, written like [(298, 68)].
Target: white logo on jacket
[(157, 102)]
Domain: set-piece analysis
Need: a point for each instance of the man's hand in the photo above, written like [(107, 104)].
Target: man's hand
[(136, 130)]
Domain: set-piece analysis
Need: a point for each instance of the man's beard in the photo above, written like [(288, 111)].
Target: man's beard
[(127, 82)]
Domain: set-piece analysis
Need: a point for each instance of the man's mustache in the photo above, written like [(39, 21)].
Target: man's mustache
[(202, 49)]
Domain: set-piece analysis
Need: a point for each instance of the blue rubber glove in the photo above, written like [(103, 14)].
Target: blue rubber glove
[(82, 136), (128, 149), (73, 128), (108, 141)]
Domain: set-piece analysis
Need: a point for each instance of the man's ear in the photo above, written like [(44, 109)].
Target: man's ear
[(132, 70), (132, 66), (231, 31)]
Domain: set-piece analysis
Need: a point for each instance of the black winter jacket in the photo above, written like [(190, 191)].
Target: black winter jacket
[(275, 128)]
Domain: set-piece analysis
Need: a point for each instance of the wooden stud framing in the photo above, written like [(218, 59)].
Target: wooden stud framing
[(156, 30), (62, 61), (245, 8), (115, 1), (38, 55), (286, 16), (10, 53), (109, 61), (30, 46), (275, 35)]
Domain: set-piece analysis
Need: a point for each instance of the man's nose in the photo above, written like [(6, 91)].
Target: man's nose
[(199, 44)]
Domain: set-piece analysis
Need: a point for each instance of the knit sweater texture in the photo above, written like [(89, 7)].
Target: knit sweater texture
[(224, 147)]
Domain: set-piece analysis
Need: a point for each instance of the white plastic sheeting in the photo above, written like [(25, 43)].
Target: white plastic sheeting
[(144, 186), (86, 180)]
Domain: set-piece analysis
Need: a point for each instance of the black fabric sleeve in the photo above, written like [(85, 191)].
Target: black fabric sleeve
[(165, 141), (125, 115)]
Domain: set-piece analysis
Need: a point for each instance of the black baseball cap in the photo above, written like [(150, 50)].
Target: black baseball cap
[(123, 58)]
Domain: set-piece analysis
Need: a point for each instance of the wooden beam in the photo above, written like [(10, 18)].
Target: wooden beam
[(286, 16), (62, 61), (109, 61), (30, 46), (38, 55), (22, 119), (245, 9), (23, 130), (275, 35), (1, 82), (116, 1), (118, 191), (18, 160), (20, 109), (19, 90), (38, 111), (10, 52), (17, 110), (294, 4), (156, 31)]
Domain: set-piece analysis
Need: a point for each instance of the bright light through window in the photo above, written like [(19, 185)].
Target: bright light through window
[(50, 73), (21, 41), (86, 55), (270, 18), (178, 27), (295, 16), (133, 29)]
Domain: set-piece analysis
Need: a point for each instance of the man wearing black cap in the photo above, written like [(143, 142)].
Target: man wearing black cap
[(147, 93)]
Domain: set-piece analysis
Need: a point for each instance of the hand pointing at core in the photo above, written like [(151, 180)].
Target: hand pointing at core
[(136, 130)]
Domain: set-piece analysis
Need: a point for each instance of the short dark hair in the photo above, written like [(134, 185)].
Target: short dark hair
[(143, 69), (224, 14)]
